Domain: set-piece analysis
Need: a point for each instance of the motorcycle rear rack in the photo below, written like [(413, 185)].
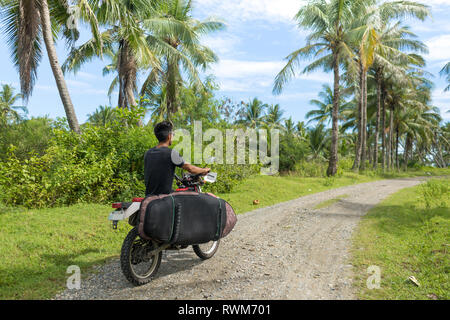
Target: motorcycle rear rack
[(123, 213)]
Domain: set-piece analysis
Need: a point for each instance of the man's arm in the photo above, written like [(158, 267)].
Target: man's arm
[(195, 170)]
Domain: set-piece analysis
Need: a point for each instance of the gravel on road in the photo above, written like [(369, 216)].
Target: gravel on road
[(286, 251)]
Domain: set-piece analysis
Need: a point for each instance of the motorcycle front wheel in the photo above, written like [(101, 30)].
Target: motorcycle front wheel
[(138, 265), (206, 250)]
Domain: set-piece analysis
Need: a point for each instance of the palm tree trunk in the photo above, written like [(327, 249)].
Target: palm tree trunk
[(171, 91), (391, 138), (56, 68), (121, 98), (364, 122), (127, 75), (390, 145), (377, 124), (383, 128), (396, 148), (332, 166), (358, 147), (406, 152)]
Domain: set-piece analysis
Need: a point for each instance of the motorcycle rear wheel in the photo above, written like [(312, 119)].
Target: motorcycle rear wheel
[(207, 250), (137, 266)]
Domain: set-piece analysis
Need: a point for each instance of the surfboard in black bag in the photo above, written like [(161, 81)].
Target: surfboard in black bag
[(185, 218)]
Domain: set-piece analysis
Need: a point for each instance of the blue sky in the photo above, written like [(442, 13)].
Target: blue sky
[(259, 35)]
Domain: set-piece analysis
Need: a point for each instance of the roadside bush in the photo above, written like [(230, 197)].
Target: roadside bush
[(28, 137), (292, 150), (228, 176), (102, 164), (436, 193), (345, 164), (99, 165), (311, 168)]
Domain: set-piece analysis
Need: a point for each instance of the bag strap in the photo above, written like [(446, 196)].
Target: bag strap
[(219, 221)]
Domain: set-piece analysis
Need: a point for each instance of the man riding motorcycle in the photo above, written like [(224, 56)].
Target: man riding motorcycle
[(160, 162), (141, 257)]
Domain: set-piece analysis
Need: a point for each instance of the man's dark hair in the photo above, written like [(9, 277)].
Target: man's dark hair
[(162, 130)]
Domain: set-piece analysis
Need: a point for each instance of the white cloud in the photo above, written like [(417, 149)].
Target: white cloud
[(435, 3), (439, 47), (247, 10), (245, 76), (223, 44), (239, 69)]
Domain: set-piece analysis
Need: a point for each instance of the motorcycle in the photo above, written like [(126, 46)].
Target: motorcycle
[(140, 259)]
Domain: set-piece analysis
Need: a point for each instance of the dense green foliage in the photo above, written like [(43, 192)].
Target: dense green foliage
[(101, 164), (55, 166), (382, 93)]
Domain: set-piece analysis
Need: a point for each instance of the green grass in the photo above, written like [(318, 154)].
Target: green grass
[(406, 235), (271, 190), (328, 203), (37, 246)]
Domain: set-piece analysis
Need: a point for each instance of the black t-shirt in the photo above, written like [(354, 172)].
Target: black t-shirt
[(159, 170)]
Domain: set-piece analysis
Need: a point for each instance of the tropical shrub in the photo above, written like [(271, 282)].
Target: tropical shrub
[(102, 164), (28, 137), (436, 193), (292, 150)]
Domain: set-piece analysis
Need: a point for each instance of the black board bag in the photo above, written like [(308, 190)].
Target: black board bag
[(185, 218)]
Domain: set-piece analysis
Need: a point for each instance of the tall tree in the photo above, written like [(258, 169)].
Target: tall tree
[(377, 43), (29, 22), (125, 42), (253, 114), (274, 115), (324, 112), (8, 109), (188, 52), (328, 22), (102, 116)]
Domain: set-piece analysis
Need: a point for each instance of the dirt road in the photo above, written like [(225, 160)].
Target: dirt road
[(286, 251)]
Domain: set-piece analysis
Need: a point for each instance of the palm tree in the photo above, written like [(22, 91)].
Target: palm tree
[(417, 123), (8, 111), (407, 99), (124, 42), (27, 23), (274, 115), (318, 139), (329, 23), (446, 71), (253, 113), (103, 116), (301, 129), (324, 113), (289, 127), (377, 42), (187, 55)]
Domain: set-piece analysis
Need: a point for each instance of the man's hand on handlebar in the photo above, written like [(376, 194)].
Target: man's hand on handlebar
[(195, 170)]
